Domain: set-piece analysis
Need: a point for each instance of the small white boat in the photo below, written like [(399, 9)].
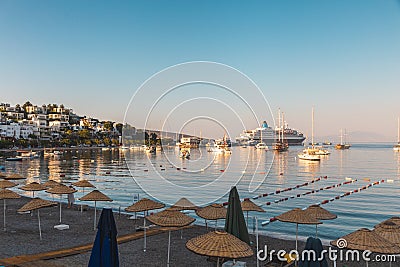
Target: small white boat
[(309, 154), (261, 145)]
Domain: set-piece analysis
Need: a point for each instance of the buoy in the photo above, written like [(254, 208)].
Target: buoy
[(178, 169), (390, 181), (62, 175), (144, 170), (163, 169), (108, 172)]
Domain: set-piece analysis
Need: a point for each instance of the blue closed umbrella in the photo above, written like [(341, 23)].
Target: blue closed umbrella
[(314, 244), (105, 247)]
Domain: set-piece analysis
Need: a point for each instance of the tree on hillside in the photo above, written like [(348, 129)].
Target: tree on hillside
[(119, 127)]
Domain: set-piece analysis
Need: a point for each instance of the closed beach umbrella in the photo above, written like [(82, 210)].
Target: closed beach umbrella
[(390, 231), (365, 239), (212, 212), (314, 244), (248, 205), (319, 213), (95, 196), (144, 205), (36, 204), (105, 247), (219, 244), (297, 216), (170, 218), (6, 184), (14, 176), (34, 186), (7, 194), (61, 190), (83, 184), (234, 222), (184, 204)]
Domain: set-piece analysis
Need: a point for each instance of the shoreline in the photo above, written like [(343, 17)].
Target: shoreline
[(22, 228)]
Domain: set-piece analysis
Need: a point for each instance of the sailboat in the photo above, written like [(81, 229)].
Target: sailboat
[(397, 146), (280, 145), (310, 153), (341, 146), (261, 144)]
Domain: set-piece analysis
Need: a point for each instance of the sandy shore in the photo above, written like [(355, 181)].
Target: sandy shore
[(22, 237)]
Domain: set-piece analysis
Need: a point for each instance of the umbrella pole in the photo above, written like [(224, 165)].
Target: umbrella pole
[(4, 214), (258, 264), (247, 219), (316, 231), (144, 227), (216, 222), (169, 245), (40, 229), (60, 206), (297, 233), (94, 223), (205, 220), (83, 192)]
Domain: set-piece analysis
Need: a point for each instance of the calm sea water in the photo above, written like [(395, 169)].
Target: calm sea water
[(207, 177)]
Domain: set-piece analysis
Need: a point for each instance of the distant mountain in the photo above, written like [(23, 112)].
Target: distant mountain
[(357, 136)]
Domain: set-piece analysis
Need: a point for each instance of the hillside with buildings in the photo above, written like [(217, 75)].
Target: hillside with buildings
[(53, 125)]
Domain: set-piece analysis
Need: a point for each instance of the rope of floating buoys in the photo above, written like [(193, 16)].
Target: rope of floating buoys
[(290, 188), (311, 192), (284, 190), (326, 201)]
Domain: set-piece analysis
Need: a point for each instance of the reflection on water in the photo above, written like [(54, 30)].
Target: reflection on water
[(208, 177)]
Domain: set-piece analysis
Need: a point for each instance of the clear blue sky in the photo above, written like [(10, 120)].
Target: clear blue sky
[(342, 57)]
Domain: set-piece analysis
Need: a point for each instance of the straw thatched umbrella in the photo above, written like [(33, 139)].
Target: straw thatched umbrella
[(220, 245), (170, 218), (36, 204), (395, 220), (390, 231), (6, 184), (319, 213), (144, 205), (61, 190), (184, 204), (365, 239), (83, 184), (2, 175), (14, 176), (212, 212), (51, 183), (34, 186), (95, 196), (297, 216), (248, 205), (7, 194)]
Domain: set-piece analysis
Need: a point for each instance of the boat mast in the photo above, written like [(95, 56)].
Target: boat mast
[(312, 127), (341, 136), (283, 124), (279, 124), (398, 130)]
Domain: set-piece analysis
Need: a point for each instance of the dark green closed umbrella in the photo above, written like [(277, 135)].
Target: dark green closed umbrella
[(235, 223)]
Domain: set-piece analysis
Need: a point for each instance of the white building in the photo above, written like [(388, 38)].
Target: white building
[(17, 131)]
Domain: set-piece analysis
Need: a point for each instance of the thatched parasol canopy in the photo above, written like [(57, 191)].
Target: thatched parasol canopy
[(61, 190), (34, 186), (184, 204), (8, 194), (36, 203), (390, 231), (51, 183), (298, 216), (145, 204), (248, 205), (365, 239), (212, 212), (83, 183), (95, 195), (219, 244), (395, 220), (170, 218), (6, 184), (320, 213), (14, 176)]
